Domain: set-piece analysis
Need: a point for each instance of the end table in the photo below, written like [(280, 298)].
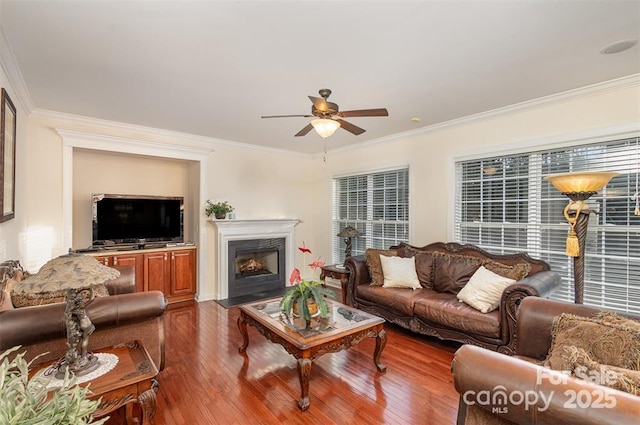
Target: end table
[(131, 383), (336, 271)]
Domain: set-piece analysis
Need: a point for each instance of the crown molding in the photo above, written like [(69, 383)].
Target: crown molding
[(563, 97), (79, 139), (14, 75), (156, 133)]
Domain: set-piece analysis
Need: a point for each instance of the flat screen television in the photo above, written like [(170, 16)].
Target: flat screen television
[(122, 219)]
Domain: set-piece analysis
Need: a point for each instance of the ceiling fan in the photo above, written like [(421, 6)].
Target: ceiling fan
[(329, 118)]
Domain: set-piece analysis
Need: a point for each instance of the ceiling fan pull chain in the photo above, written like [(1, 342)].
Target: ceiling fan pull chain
[(324, 155)]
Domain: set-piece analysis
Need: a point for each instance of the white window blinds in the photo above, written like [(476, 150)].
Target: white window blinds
[(504, 205), (377, 204)]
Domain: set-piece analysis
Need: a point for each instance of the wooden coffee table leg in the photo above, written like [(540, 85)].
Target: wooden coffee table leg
[(381, 341), (242, 325), (304, 372)]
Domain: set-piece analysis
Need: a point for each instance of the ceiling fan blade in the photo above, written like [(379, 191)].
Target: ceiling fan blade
[(305, 130), (319, 103), (353, 129), (380, 112), (285, 116)]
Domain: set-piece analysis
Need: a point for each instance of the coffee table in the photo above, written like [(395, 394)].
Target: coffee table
[(343, 328)]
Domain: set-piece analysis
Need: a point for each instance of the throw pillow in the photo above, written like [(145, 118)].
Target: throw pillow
[(484, 290), (399, 272), (517, 271), (424, 269), (453, 271), (373, 263), (605, 341), (579, 363)]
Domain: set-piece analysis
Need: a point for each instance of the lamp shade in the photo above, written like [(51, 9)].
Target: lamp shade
[(587, 181), (71, 271), (325, 127), (349, 232)]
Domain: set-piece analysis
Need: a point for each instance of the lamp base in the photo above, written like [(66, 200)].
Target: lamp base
[(80, 367)]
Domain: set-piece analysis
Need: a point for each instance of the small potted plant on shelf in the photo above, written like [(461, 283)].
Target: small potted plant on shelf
[(219, 209), (306, 298)]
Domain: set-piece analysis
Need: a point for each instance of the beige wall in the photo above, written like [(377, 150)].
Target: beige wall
[(14, 232), (430, 156)]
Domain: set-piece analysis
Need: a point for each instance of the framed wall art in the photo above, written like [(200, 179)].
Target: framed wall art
[(7, 158)]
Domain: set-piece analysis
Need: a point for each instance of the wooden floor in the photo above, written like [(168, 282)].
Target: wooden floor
[(206, 380)]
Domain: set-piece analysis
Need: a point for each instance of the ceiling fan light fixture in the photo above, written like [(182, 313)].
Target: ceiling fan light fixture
[(325, 127)]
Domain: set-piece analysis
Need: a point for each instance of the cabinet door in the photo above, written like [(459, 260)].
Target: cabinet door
[(156, 272), (104, 259), (183, 272), (134, 260)]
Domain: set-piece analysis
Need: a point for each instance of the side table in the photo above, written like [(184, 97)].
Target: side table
[(130, 383), (336, 271)]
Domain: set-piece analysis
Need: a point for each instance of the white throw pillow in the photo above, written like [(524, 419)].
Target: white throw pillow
[(484, 290), (399, 272)]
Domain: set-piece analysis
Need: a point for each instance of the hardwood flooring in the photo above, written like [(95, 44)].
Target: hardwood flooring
[(206, 380)]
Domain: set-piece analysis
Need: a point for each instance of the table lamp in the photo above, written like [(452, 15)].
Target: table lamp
[(76, 276), (347, 233), (579, 187)]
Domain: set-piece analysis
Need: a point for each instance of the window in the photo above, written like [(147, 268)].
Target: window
[(377, 204), (504, 205)]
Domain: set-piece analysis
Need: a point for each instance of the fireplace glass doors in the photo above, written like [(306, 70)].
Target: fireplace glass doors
[(256, 265)]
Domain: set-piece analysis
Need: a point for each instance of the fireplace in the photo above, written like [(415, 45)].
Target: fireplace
[(256, 265), (260, 263)]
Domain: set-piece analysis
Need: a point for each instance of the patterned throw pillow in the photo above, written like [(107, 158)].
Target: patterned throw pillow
[(516, 272), (43, 287), (607, 340), (579, 363), (374, 265)]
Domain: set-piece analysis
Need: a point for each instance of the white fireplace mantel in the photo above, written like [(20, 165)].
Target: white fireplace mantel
[(234, 230)]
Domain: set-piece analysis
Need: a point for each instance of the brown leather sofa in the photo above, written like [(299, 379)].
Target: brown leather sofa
[(441, 314), (479, 375), (123, 316)]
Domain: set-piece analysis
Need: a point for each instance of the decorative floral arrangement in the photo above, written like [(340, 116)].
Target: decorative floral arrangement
[(219, 208), (305, 292)]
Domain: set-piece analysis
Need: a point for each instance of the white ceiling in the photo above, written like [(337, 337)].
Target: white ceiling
[(213, 68)]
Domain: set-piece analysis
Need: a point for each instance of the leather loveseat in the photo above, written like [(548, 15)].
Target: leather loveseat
[(123, 316), (433, 309), (499, 389)]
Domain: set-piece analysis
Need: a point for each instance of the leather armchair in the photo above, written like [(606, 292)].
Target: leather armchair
[(123, 316), (482, 377)]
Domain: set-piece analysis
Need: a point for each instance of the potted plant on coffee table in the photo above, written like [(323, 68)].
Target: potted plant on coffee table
[(219, 209), (307, 297)]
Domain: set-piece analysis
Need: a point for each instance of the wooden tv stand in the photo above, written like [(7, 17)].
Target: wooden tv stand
[(171, 270)]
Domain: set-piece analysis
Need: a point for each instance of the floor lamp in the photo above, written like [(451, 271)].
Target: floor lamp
[(579, 187)]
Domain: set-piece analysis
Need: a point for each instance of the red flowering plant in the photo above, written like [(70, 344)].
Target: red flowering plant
[(306, 292)]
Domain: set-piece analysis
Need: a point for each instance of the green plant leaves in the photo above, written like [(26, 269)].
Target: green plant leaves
[(24, 401)]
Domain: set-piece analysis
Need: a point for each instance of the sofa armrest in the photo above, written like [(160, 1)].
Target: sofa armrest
[(358, 275), (123, 284), (541, 284), (26, 325), (534, 320), (525, 393)]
